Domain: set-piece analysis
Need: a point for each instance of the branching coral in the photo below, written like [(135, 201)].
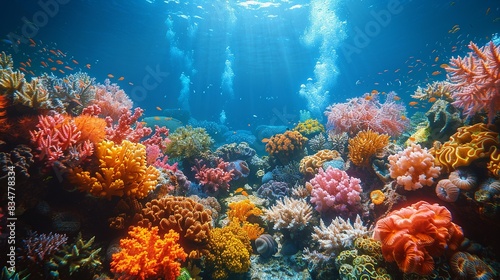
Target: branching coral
[(475, 79), (412, 236), (33, 95), (413, 168), (309, 165), (359, 114), (335, 191), (290, 213), (39, 248), (122, 171), (188, 142), (436, 90), (187, 217), (240, 211), (214, 179), (365, 145), (127, 128), (467, 145), (111, 99), (146, 254), (229, 252), (286, 147)]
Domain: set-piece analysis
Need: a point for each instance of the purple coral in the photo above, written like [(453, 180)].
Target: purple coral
[(273, 191), (38, 248), (333, 190)]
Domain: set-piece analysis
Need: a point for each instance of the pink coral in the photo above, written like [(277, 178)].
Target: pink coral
[(413, 168), (127, 128), (360, 114), (333, 190), (214, 179), (475, 80), (111, 99)]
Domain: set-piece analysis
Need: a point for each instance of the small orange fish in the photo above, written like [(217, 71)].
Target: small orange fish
[(32, 42), (50, 59), (432, 99), (22, 69), (28, 63), (397, 70), (23, 64), (374, 91), (244, 193), (74, 61), (44, 64), (61, 53), (111, 76), (157, 118), (53, 52), (88, 66), (158, 108), (444, 65), (238, 190), (413, 103), (60, 70), (368, 97), (265, 140), (488, 10), (59, 62), (436, 59), (435, 73), (69, 68), (53, 69), (121, 78), (403, 117), (32, 73), (397, 98)]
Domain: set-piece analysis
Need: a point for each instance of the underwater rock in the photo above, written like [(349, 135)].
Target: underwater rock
[(181, 115), (170, 123), (444, 120), (266, 245)]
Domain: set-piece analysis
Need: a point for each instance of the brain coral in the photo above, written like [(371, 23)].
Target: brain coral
[(413, 167), (414, 235), (122, 171), (468, 144), (229, 252), (187, 217), (365, 145), (188, 142), (285, 147)]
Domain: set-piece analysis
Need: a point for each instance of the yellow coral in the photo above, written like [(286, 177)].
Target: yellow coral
[(365, 145), (122, 171), (241, 210), (309, 165), (229, 252), (377, 197), (468, 144), (309, 127), (494, 164), (285, 147), (253, 230)]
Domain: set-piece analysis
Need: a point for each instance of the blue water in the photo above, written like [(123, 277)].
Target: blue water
[(251, 59)]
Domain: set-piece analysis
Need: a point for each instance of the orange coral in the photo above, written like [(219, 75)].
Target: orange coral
[(468, 144), (240, 211), (181, 214), (377, 197), (122, 171), (145, 255), (309, 165), (287, 146), (494, 164), (365, 145), (412, 236), (92, 128)]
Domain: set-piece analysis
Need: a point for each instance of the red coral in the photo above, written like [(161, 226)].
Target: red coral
[(214, 179), (475, 80), (128, 128)]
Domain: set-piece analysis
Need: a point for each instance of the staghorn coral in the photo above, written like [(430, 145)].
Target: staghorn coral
[(188, 142), (359, 114), (309, 127), (121, 171), (413, 168), (285, 147), (467, 145), (214, 179), (289, 213), (440, 90), (127, 128), (413, 235), (39, 248), (229, 252), (334, 191), (187, 217), (474, 80), (339, 235), (33, 95), (11, 82), (309, 165), (146, 254), (365, 145)]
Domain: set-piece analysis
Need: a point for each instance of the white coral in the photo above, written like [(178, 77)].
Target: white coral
[(290, 213), (339, 235)]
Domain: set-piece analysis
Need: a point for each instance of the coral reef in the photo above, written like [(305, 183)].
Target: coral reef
[(413, 168), (188, 142), (266, 246), (447, 191), (146, 254), (19, 157), (39, 248), (309, 165), (289, 213), (309, 127), (474, 80), (122, 171), (235, 151), (413, 235), (214, 180), (286, 147), (273, 191), (334, 191), (365, 145)]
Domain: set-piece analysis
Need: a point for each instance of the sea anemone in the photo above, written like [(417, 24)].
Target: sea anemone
[(458, 264), (447, 191), (463, 179), (377, 197)]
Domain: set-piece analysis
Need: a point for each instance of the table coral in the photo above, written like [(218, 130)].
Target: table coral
[(467, 145), (146, 254), (286, 147), (413, 235), (333, 190), (122, 171), (309, 165), (229, 252), (187, 217), (413, 167), (365, 145)]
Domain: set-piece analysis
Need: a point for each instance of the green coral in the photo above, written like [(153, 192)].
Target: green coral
[(309, 127), (188, 142), (13, 275), (363, 262), (74, 258)]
